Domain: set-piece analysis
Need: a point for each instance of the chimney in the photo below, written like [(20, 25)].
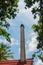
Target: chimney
[(22, 45)]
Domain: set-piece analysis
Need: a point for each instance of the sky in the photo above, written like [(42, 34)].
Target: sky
[(25, 17)]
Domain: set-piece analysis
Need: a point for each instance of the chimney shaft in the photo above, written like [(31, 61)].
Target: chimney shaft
[(22, 45)]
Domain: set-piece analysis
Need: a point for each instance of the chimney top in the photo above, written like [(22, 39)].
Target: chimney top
[(22, 25)]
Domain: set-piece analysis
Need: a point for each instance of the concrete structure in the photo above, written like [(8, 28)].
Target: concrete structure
[(23, 60), (22, 47)]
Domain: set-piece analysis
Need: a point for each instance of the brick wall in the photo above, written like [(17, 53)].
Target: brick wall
[(16, 62)]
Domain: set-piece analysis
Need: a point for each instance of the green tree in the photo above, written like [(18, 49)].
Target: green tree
[(8, 9), (39, 27), (5, 52)]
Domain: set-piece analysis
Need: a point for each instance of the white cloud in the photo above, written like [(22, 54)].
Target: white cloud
[(39, 62), (11, 22), (19, 50), (21, 4), (3, 40), (31, 45), (13, 41)]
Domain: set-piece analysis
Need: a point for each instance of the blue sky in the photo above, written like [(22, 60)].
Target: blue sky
[(23, 17)]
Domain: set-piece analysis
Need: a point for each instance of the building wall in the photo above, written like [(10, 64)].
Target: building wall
[(16, 62)]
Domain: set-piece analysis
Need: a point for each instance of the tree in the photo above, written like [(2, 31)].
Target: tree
[(8, 9), (39, 27), (5, 52)]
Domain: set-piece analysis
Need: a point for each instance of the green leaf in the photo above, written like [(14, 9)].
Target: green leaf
[(5, 52), (33, 56), (41, 57), (5, 34)]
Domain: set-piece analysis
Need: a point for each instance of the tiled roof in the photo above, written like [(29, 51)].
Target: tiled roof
[(17, 62)]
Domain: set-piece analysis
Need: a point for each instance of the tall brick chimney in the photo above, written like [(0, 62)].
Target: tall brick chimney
[(22, 45)]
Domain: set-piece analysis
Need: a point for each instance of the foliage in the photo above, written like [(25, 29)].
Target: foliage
[(8, 9), (5, 52), (39, 27)]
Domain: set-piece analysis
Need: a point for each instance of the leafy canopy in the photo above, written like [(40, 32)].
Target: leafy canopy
[(39, 27), (5, 52), (8, 9)]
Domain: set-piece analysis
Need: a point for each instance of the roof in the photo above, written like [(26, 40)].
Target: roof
[(16, 62)]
